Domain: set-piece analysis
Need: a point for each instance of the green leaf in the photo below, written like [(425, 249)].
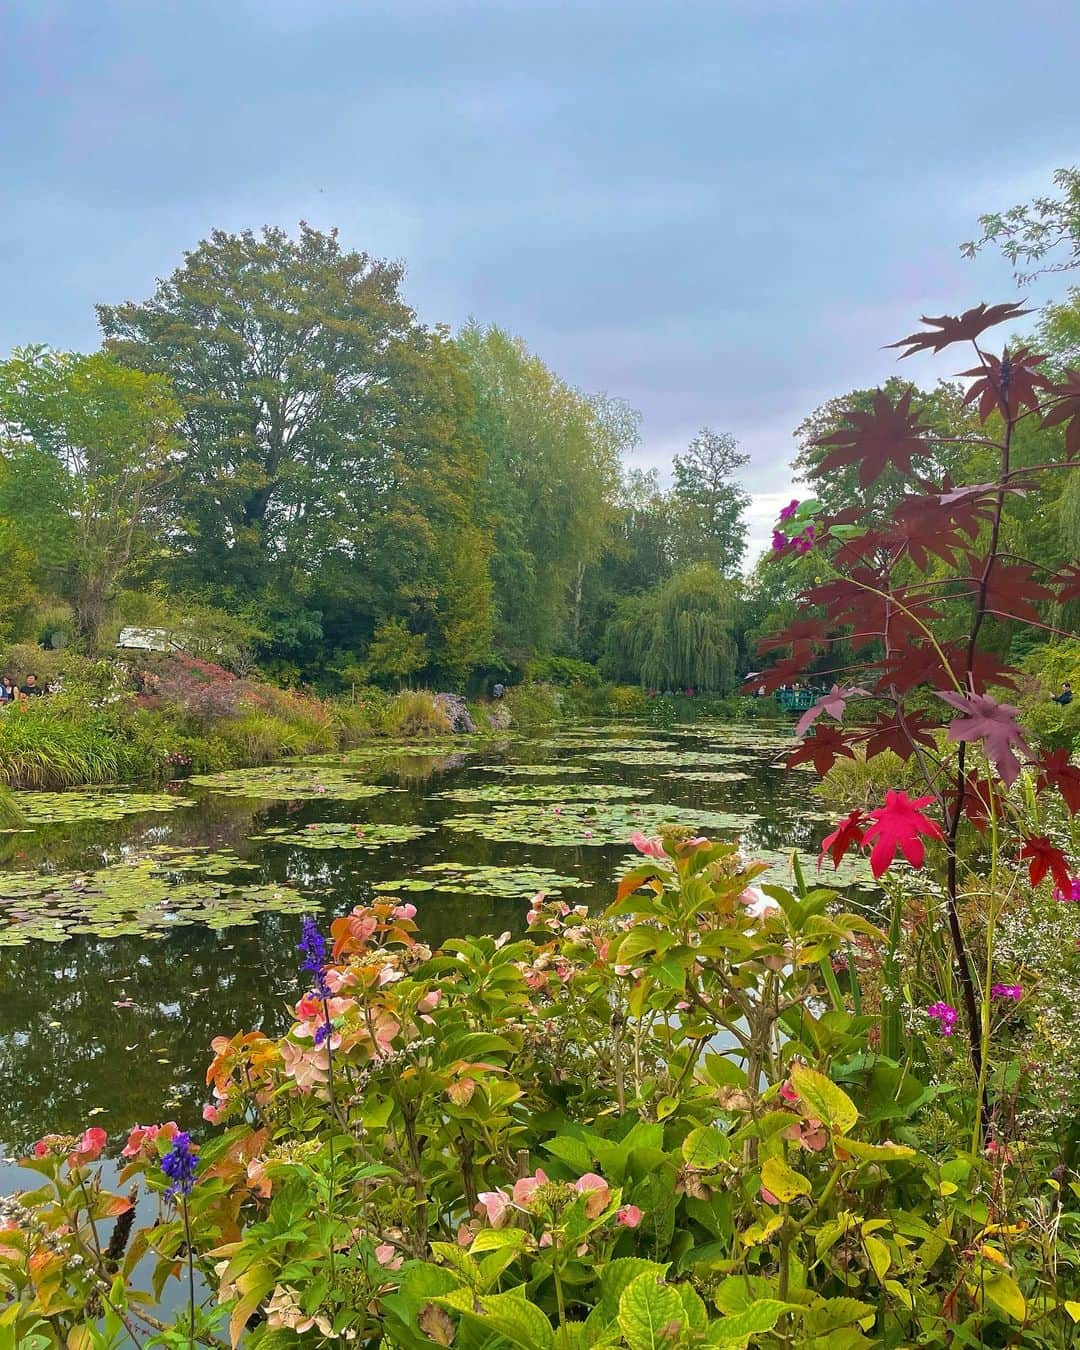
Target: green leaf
[(761, 1316), (783, 1181), (877, 1254), (822, 1098), (574, 1152), (495, 1239), (1002, 1290), (617, 1274), (651, 1314), (514, 1318), (705, 1148)]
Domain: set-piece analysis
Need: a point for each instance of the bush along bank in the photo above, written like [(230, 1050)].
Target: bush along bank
[(719, 1109), (172, 715)]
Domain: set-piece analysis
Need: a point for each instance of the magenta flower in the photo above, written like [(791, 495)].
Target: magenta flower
[(779, 541), (790, 509), (805, 541), (946, 1017), (1006, 991), (1070, 895)]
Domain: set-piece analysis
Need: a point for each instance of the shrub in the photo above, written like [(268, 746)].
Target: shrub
[(412, 712), (562, 670), (532, 705)]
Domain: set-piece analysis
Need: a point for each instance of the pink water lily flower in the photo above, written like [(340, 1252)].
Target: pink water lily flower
[(652, 848)]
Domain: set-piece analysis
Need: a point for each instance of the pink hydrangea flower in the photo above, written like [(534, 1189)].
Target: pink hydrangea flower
[(652, 848), (524, 1188), (629, 1216), (598, 1192)]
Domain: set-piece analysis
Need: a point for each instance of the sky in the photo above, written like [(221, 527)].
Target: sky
[(717, 210)]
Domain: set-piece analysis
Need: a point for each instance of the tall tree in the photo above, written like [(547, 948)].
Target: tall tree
[(327, 445), (707, 503), (552, 473), (88, 449)]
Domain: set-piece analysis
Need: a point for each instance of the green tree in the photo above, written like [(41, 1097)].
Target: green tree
[(1030, 234), (707, 504), (395, 653), (89, 451), (552, 473), (328, 447)]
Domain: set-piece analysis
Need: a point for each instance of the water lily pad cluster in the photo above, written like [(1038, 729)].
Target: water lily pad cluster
[(661, 758), (532, 770), (580, 824), (339, 834), (502, 883), (279, 782), (707, 775), (65, 808), (580, 744), (543, 792), (141, 896)]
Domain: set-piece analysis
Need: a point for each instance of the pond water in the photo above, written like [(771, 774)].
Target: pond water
[(136, 925)]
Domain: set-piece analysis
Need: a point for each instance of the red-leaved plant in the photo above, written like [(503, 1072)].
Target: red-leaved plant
[(901, 614)]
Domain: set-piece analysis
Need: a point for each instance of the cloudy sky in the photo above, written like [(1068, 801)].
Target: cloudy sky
[(718, 210)]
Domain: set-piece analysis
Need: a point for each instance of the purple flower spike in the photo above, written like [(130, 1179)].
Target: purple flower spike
[(179, 1166), (312, 947)]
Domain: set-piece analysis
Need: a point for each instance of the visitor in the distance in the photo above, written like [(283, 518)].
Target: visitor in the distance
[(8, 692), (31, 688), (1065, 697)]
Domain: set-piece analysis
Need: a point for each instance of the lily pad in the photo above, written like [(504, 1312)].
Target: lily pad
[(532, 770), (661, 758), (581, 744), (142, 896), (503, 883), (289, 783), (583, 824), (541, 792), (62, 808), (706, 776), (338, 834)]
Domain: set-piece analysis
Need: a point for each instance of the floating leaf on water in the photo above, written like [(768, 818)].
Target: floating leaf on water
[(63, 808), (334, 834), (468, 879), (290, 783), (542, 792), (660, 758), (706, 776), (532, 770), (583, 824)]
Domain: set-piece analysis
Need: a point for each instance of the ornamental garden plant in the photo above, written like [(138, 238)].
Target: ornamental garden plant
[(731, 1110)]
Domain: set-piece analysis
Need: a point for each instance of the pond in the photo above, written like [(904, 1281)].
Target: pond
[(136, 925)]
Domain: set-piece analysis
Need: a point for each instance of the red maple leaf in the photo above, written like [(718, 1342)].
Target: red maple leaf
[(889, 434), (833, 703), (951, 328), (985, 719), (1042, 857), (889, 733), (920, 528), (1056, 771), (1068, 582), (823, 749), (1011, 593), (983, 669), (784, 672), (847, 833), (1007, 384), (804, 638), (1067, 409), (916, 664), (981, 800), (898, 825)]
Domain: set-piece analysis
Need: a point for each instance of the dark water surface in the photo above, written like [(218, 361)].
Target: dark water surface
[(111, 1030)]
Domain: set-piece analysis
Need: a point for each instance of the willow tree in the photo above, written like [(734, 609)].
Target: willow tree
[(693, 641)]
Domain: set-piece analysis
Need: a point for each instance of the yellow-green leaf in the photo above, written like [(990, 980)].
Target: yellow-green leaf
[(823, 1099), (1002, 1290), (784, 1182)]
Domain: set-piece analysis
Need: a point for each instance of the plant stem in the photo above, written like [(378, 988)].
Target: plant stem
[(190, 1267)]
